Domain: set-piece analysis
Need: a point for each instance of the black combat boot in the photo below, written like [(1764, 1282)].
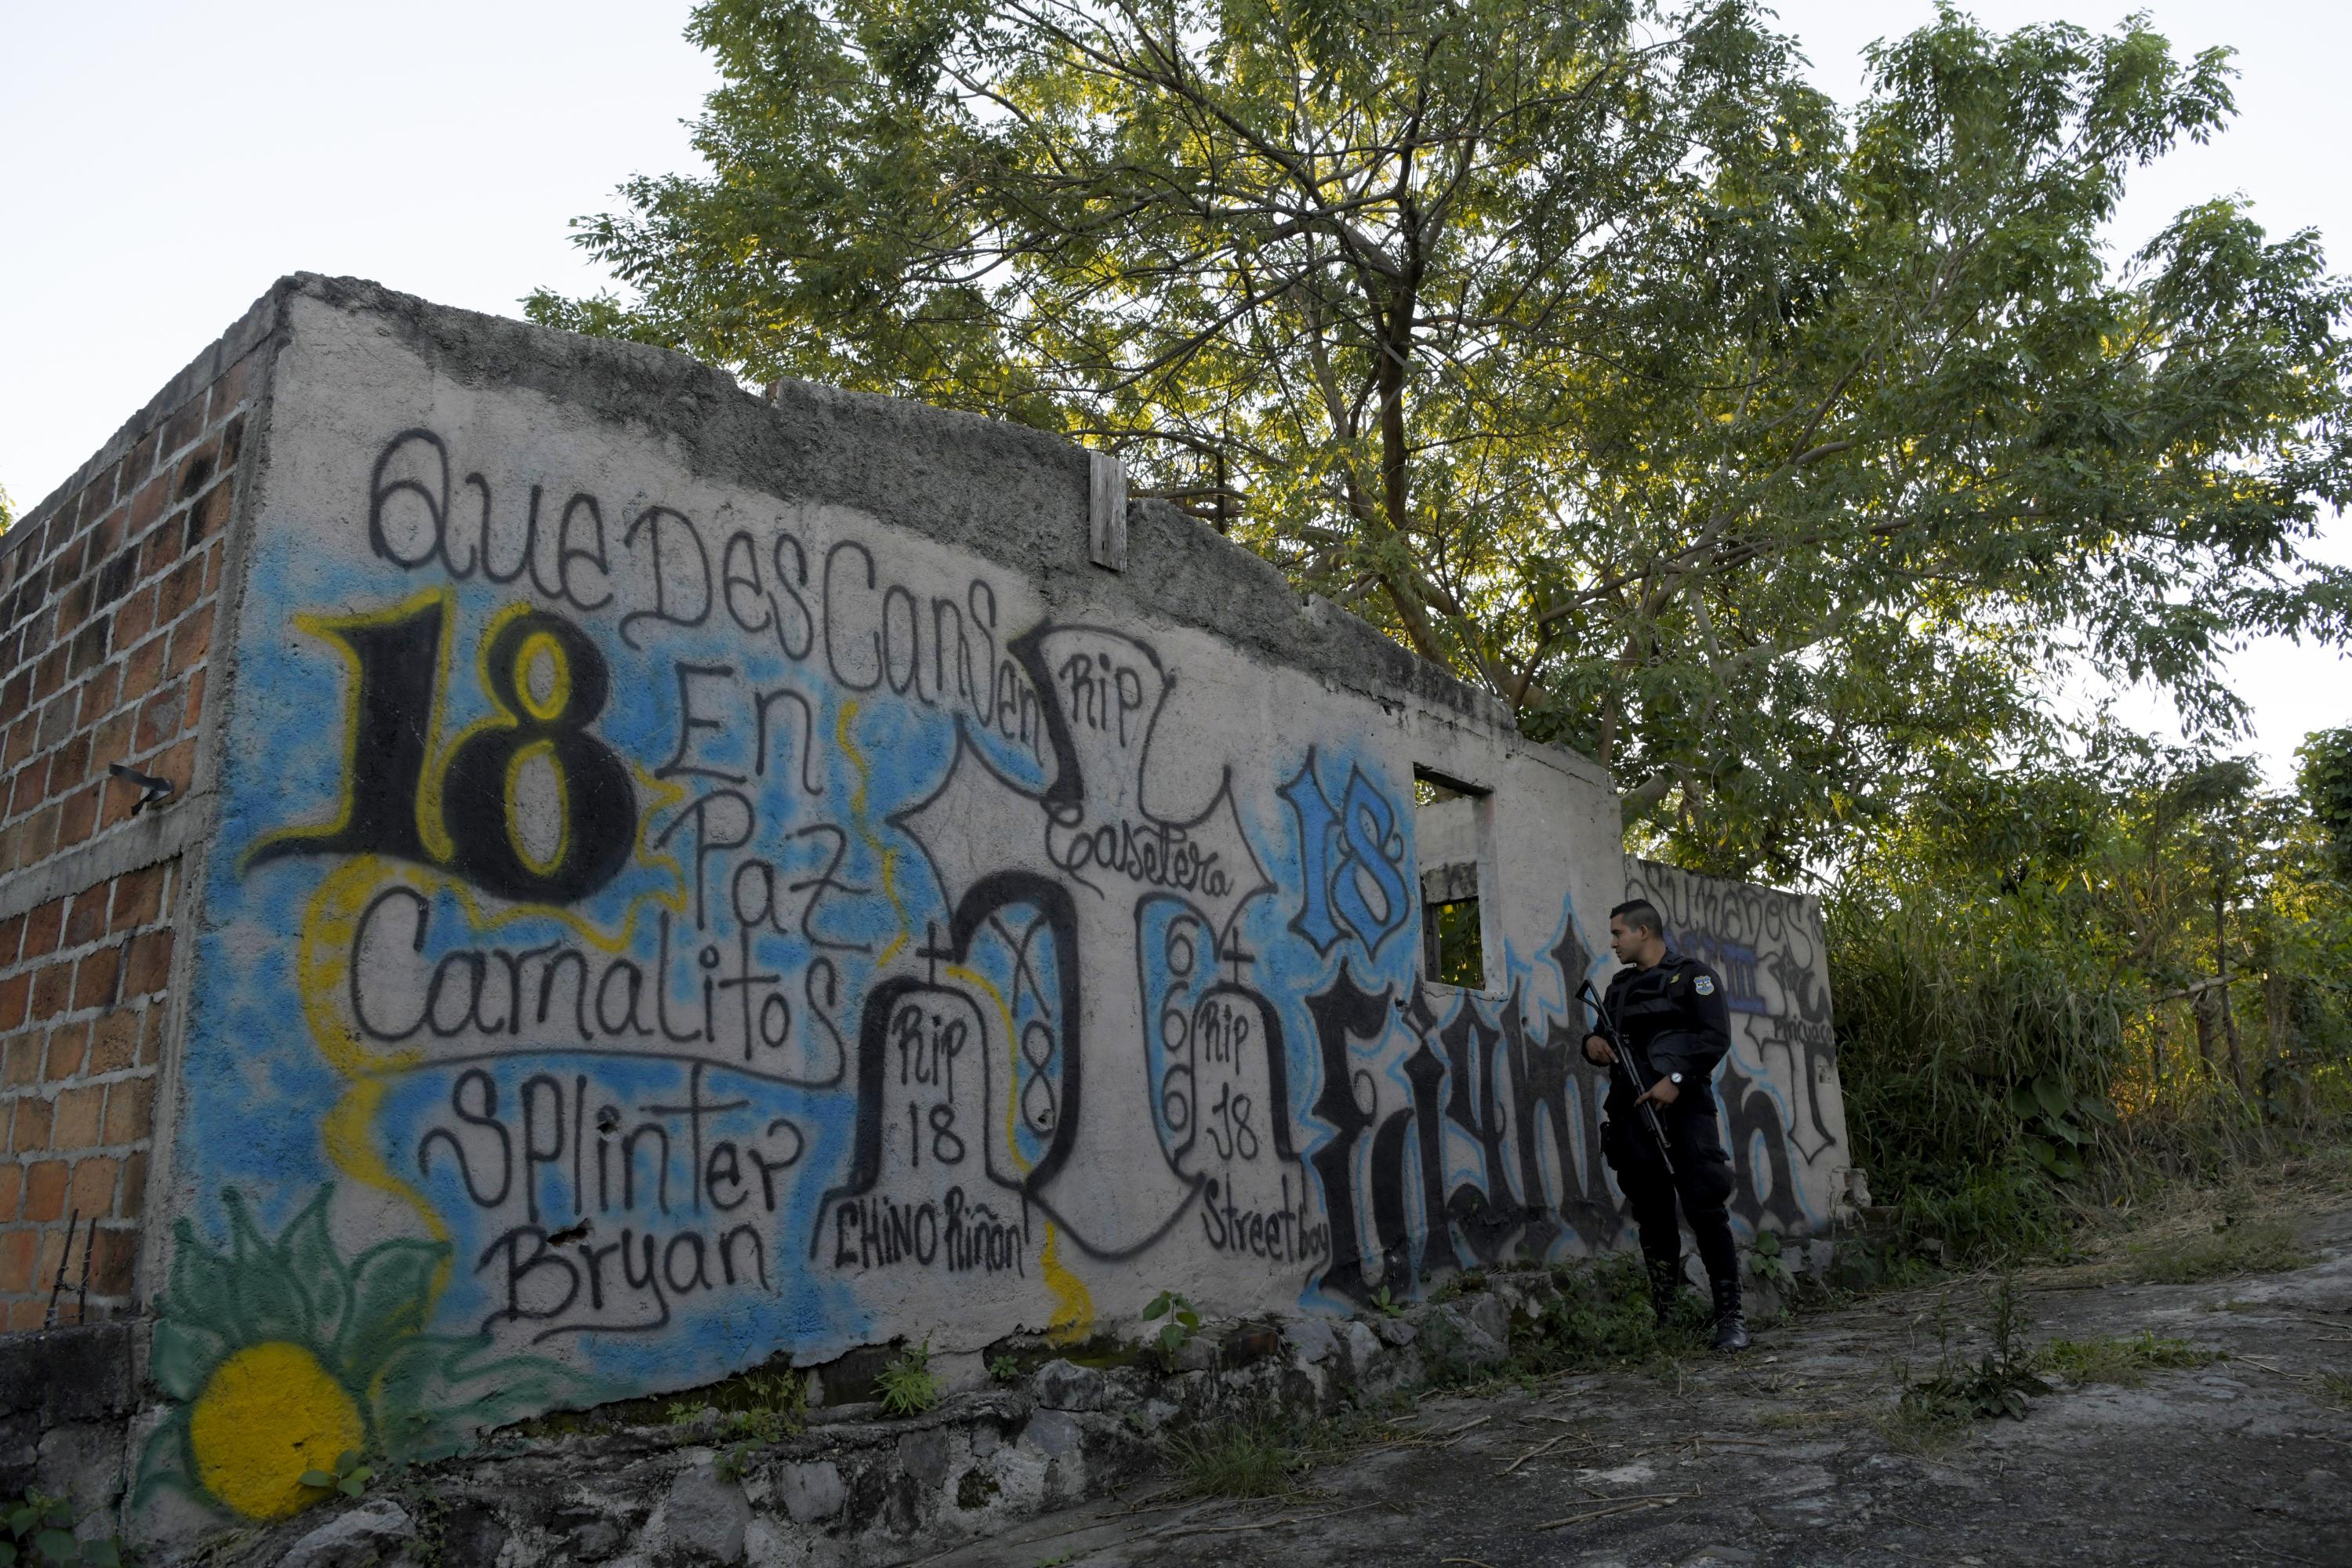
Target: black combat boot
[(1730, 1324), (1666, 1280)]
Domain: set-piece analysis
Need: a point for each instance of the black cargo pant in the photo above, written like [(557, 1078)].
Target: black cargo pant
[(1701, 1178)]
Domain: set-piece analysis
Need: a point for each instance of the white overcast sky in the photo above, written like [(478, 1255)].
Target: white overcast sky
[(161, 164)]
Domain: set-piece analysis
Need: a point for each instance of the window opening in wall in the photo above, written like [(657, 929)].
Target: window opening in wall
[(1450, 834)]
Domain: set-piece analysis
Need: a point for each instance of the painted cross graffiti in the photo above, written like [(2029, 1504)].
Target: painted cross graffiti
[(1090, 853)]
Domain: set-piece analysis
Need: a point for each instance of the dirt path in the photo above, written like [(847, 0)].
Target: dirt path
[(1790, 1455)]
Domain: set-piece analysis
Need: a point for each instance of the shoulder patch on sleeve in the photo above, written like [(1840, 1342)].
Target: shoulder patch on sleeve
[(1704, 985)]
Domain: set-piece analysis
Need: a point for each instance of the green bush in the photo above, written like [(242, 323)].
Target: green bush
[(39, 1535)]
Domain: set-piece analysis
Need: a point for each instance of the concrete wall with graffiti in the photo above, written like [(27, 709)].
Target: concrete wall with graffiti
[(693, 879), (1784, 1119)]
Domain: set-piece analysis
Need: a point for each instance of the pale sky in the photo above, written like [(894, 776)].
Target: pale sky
[(162, 163)]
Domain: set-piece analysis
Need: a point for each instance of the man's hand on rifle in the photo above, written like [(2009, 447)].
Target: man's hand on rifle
[(1663, 1092), (1597, 1051)]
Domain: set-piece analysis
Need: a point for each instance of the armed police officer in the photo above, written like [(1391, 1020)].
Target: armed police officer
[(1669, 1013)]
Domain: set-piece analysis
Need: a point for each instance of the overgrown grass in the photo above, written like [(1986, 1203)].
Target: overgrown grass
[(2126, 1362), (1939, 1023), (1919, 1426), (2249, 1246), (2005, 1084), (1252, 1457), (1604, 1318)]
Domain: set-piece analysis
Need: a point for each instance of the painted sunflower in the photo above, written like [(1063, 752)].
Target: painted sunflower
[(282, 1356)]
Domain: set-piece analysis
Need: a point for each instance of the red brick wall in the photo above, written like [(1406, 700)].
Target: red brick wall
[(83, 1008), (107, 594)]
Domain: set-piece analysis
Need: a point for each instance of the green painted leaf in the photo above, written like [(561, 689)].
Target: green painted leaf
[(308, 1249), (199, 1291), (438, 1390), (391, 1296), (164, 1461), (183, 1355), (268, 1301)]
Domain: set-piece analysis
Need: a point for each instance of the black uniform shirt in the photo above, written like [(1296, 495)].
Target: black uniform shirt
[(1673, 1014)]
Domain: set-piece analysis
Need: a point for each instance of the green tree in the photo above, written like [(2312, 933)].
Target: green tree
[(1778, 454), (2327, 779), (2085, 967)]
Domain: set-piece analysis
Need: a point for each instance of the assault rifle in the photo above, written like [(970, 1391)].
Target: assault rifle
[(1623, 1063)]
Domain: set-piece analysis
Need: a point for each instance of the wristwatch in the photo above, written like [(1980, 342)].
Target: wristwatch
[(1675, 1079)]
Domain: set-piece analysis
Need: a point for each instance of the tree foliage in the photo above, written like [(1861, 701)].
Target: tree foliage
[(1780, 455), (2326, 780), (2073, 971)]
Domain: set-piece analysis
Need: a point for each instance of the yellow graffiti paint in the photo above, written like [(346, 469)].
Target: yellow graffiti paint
[(322, 964), (329, 629), (544, 866), (1074, 1305), (268, 1413), (537, 646), (890, 858), (323, 974), (432, 814)]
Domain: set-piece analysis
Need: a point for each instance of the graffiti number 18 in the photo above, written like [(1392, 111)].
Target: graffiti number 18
[(463, 806)]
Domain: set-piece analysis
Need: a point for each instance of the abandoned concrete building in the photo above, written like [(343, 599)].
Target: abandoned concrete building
[(533, 878)]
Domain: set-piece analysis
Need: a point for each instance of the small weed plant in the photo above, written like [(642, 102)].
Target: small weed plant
[(1387, 1305), (775, 1407), (2335, 1388), (908, 1384), (1767, 1262), (350, 1477), (40, 1535), (1179, 1320), (1998, 1385), (1003, 1368)]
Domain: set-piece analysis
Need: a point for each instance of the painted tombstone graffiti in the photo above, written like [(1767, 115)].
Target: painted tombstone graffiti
[(1784, 1120), (654, 924)]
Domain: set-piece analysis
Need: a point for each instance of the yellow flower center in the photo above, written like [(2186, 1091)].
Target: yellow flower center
[(268, 1413)]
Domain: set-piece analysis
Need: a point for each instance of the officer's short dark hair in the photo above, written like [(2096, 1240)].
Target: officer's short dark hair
[(1641, 914)]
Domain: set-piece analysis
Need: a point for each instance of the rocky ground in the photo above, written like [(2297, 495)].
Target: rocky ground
[(1800, 1452)]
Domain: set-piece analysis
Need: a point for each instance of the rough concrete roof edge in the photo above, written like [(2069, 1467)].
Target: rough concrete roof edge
[(245, 334), (1226, 588), (1812, 899)]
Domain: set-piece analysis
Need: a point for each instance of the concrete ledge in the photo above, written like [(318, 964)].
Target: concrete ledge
[(67, 1398)]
